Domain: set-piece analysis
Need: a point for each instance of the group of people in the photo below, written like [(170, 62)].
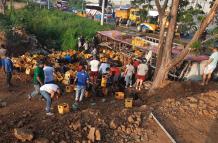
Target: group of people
[(44, 84), (107, 74), (90, 72)]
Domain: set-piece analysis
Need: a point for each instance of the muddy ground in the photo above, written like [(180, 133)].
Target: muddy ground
[(187, 110)]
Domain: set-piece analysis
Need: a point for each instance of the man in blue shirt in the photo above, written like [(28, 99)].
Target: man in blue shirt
[(8, 69), (68, 58), (1, 63), (81, 81)]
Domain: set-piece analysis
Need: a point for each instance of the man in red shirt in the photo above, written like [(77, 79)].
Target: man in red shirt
[(136, 63), (115, 72)]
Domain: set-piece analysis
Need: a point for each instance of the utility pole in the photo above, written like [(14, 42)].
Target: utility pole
[(48, 4), (82, 5), (102, 13)]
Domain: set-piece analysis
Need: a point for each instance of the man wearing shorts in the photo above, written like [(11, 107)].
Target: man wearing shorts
[(210, 66), (141, 73), (94, 69)]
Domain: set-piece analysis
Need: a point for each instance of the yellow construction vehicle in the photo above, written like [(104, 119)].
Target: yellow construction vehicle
[(151, 22), (128, 15), (144, 27), (81, 14)]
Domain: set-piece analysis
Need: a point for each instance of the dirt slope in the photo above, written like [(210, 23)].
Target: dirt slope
[(187, 110)]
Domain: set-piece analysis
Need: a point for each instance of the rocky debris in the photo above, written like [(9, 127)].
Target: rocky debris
[(143, 108), (3, 104), (41, 140), (97, 135), (94, 135), (75, 126), (91, 135), (130, 119), (20, 124), (193, 105), (23, 134), (192, 99), (113, 124)]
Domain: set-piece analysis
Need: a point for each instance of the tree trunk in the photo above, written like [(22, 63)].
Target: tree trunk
[(160, 46), (162, 21), (2, 6), (207, 20), (159, 79), (165, 57), (165, 47)]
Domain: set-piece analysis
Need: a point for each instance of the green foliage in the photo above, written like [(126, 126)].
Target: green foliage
[(188, 18), (212, 38), (77, 3), (56, 29), (196, 46), (4, 23)]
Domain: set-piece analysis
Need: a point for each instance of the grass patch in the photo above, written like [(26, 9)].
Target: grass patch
[(56, 29)]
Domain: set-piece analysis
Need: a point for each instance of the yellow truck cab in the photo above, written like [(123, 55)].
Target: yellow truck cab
[(129, 14), (135, 15)]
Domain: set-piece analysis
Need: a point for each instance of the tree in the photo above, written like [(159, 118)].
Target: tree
[(189, 19), (145, 7), (165, 60), (212, 38), (2, 6)]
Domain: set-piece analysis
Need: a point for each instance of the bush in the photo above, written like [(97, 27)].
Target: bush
[(4, 23), (56, 29)]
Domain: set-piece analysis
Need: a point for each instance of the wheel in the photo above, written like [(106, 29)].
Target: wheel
[(144, 29)]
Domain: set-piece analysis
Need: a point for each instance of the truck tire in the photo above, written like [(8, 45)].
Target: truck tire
[(144, 30)]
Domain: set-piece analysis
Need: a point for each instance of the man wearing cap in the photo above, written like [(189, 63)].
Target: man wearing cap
[(38, 79), (49, 91)]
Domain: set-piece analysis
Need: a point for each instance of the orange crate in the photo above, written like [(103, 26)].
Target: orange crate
[(128, 102), (63, 108), (69, 88), (119, 95)]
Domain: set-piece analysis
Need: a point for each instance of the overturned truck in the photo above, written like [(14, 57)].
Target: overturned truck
[(142, 46)]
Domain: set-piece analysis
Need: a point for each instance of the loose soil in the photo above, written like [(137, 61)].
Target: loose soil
[(187, 110)]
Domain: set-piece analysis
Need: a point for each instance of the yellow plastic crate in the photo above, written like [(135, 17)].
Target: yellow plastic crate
[(63, 108), (128, 102), (119, 95), (103, 82), (69, 88)]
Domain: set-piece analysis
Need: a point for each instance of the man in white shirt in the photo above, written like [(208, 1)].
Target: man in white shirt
[(94, 68), (210, 66), (104, 65), (141, 73), (49, 74), (48, 91), (130, 70)]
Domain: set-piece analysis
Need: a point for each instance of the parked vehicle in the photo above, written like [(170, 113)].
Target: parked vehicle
[(62, 5), (130, 15)]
